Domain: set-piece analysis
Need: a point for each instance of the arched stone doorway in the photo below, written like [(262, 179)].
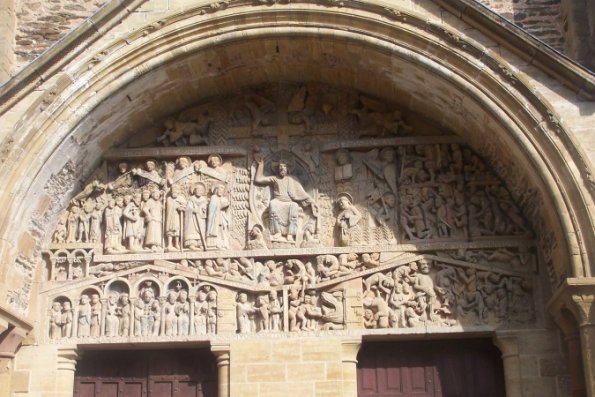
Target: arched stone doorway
[(424, 101)]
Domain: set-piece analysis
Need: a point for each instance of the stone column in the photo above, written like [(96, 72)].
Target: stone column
[(573, 310), (66, 366), (132, 331), (509, 347), (349, 350), (584, 310), (222, 354)]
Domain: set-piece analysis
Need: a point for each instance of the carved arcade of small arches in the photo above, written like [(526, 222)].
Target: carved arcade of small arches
[(290, 209)]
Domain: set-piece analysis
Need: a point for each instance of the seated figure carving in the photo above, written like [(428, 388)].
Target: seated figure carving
[(284, 207)]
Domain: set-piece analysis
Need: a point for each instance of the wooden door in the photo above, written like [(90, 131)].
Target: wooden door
[(156, 373), (454, 368)]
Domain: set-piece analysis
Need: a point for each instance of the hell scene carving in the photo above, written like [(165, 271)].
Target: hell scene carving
[(289, 209)]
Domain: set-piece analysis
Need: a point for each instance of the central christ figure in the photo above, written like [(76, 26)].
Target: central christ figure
[(283, 208)]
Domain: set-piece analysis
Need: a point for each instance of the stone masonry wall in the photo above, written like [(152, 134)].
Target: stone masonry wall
[(541, 18), (543, 364), (7, 25), (579, 29), (306, 367), (40, 23)]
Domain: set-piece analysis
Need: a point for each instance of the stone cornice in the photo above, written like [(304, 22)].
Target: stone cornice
[(10, 317)]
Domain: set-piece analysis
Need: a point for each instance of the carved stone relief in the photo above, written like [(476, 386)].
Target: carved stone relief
[(202, 206), (116, 313), (259, 216), (423, 293)]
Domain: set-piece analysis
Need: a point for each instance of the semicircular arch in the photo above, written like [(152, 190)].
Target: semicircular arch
[(189, 56)]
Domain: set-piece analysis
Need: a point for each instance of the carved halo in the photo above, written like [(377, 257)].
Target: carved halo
[(148, 283), (197, 184), (214, 156), (345, 195)]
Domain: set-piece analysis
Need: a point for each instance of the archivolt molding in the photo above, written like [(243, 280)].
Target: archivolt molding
[(438, 50)]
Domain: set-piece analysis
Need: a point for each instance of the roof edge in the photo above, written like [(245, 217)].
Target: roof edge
[(523, 44), (64, 50)]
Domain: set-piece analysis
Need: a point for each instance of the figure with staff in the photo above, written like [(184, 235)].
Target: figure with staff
[(217, 218), (174, 213), (195, 218)]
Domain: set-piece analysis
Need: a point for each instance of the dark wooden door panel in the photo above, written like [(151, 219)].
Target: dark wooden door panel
[(162, 389), (188, 389), (134, 389), (174, 373), (457, 368), (85, 389), (394, 381), (108, 389)]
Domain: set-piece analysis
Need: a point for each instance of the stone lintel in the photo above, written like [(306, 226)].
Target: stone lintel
[(171, 152)]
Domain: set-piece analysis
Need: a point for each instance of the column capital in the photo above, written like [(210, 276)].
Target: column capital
[(67, 358), (10, 341), (507, 343), (583, 305), (221, 350), (350, 348), (574, 297)]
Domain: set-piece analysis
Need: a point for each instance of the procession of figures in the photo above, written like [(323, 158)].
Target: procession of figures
[(146, 314), (426, 192), (298, 295)]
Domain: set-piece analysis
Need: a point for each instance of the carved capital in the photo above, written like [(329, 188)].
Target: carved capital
[(350, 348), (508, 344), (67, 357), (221, 352), (10, 341), (572, 305), (583, 304)]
